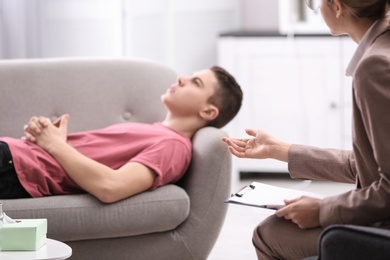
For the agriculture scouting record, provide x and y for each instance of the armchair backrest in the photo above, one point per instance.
(95, 92)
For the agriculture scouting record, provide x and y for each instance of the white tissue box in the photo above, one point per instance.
(24, 235)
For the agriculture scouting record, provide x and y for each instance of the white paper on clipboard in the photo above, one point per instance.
(267, 196)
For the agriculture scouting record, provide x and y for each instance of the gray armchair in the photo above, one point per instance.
(350, 242)
(177, 221)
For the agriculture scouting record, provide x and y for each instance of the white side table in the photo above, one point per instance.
(52, 250)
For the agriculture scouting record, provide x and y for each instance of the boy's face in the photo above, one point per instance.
(189, 95)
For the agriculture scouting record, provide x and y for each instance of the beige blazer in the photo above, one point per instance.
(368, 164)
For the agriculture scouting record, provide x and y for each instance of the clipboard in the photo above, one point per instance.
(267, 196)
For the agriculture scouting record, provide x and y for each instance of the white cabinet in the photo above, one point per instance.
(293, 89)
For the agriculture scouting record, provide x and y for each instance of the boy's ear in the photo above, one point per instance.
(209, 113)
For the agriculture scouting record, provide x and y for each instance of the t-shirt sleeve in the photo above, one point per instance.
(168, 158)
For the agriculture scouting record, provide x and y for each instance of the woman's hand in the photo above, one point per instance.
(303, 211)
(261, 146)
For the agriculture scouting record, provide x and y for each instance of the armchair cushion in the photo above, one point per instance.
(79, 217)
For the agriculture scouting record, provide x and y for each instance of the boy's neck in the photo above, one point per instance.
(185, 126)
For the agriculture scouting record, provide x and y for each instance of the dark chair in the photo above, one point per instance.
(344, 242)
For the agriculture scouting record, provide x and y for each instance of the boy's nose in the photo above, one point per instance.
(181, 81)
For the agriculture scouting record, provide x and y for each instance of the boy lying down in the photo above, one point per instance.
(123, 159)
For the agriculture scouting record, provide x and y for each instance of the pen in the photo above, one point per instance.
(273, 206)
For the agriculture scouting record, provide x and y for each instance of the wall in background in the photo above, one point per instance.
(18, 29)
(1, 29)
(260, 15)
(296, 18)
(284, 16)
(180, 33)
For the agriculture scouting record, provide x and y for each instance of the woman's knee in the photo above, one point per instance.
(263, 236)
(277, 238)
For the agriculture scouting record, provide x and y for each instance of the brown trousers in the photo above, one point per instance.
(277, 238)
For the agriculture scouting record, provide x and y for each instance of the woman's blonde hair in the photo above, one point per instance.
(372, 9)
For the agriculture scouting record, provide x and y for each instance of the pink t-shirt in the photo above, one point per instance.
(165, 151)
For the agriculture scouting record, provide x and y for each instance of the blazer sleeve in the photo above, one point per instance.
(313, 163)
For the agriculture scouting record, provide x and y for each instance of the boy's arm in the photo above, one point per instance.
(106, 184)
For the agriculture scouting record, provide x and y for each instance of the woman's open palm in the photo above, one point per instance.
(256, 147)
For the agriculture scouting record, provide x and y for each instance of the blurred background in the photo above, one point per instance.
(289, 67)
(180, 33)
(280, 51)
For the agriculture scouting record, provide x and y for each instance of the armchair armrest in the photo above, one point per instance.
(207, 183)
